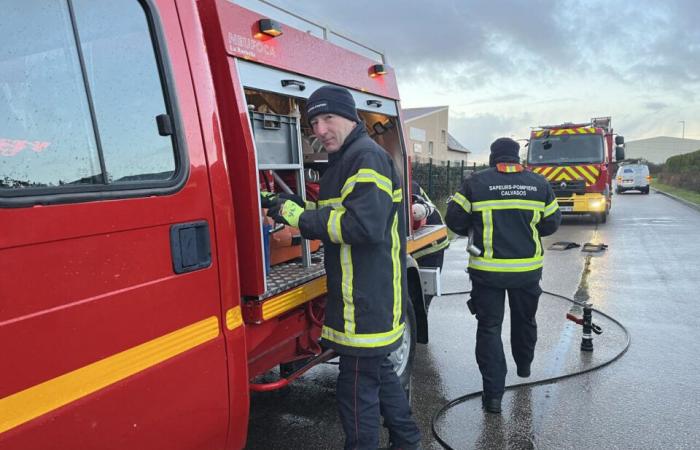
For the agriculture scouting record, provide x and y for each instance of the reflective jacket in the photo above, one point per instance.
(361, 223)
(508, 210)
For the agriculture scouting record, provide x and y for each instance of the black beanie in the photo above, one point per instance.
(504, 150)
(331, 100)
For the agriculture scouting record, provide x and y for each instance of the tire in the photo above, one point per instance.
(600, 217)
(645, 191)
(403, 357)
(618, 190)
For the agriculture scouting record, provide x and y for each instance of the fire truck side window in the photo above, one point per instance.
(79, 118)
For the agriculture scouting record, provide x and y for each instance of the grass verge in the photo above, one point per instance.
(691, 196)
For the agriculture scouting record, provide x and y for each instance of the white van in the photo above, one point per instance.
(633, 177)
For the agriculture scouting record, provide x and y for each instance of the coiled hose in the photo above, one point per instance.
(475, 394)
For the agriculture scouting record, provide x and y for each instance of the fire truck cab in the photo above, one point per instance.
(142, 290)
(577, 159)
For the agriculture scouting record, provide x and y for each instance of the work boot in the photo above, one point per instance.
(491, 404)
(524, 371)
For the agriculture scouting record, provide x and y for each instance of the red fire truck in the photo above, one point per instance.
(577, 160)
(142, 290)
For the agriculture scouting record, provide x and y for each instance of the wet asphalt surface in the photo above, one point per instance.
(648, 279)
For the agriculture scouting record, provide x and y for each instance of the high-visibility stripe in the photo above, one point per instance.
(362, 340)
(575, 174)
(396, 266)
(505, 265)
(551, 208)
(416, 243)
(487, 219)
(434, 247)
(530, 205)
(367, 176)
(589, 173)
(281, 303)
(52, 394)
(334, 227)
(536, 234)
(234, 318)
(335, 203)
(346, 283)
(462, 201)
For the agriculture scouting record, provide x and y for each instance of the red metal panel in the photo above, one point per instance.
(300, 52)
(81, 282)
(192, 22)
(173, 410)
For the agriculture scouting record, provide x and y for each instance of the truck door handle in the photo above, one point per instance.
(377, 103)
(300, 84)
(190, 247)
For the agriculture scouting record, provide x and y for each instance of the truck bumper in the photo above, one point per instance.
(583, 204)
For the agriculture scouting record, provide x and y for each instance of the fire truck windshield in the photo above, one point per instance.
(568, 148)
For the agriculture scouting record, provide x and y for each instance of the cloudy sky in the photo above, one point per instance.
(505, 66)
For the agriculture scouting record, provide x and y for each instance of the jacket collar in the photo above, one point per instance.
(354, 135)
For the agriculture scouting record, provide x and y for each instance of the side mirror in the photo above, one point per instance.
(619, 152)
(619, 140)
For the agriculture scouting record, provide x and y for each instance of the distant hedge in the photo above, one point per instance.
(682, 171)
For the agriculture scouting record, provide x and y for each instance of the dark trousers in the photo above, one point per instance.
(367, 388)
(489, 303)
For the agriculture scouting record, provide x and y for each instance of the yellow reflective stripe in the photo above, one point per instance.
(397, 196)
(234, 318)
(366, 176)
(335, 233)
(584, 171)
(595, 170)
(309, 205)
(530, 205)
(462, 201)
(52, 394)
(362, 340)
(487, 218)
(505, 265)
(281, 303)
(551, 208)
(536, 234)
(396, 265)
(434, 247)
(346, 283)
(335, 203)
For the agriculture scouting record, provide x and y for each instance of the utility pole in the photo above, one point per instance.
(683, 132)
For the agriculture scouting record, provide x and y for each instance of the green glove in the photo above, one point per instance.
(268, 199)
(286, 212)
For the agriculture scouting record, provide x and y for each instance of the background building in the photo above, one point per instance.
(428, 136)
(658, 149)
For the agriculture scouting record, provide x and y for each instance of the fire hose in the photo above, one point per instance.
(586, 345)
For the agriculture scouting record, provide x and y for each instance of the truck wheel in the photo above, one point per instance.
(402, 357)
(600, 217)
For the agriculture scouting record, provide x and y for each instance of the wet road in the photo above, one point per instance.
(648, 279)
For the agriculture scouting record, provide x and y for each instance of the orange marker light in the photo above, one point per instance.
(376, 70)
(268, 27)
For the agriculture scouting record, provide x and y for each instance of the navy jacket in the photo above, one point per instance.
(361, 223)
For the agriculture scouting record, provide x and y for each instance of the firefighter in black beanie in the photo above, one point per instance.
(360, 221)
(505, 209)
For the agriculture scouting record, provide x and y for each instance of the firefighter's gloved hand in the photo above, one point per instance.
(287, 212)
(268, 199)
(283, 196)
